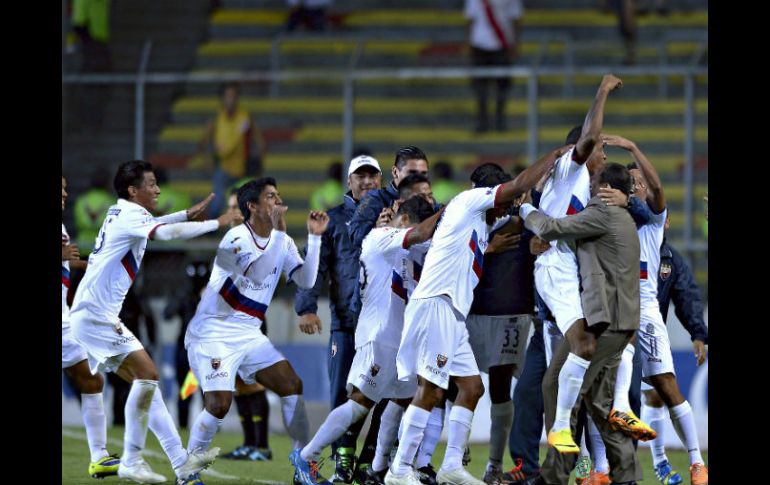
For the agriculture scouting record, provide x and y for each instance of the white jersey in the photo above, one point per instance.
(381, 251)
(115, 261)
(456, 256)
(566, 192)
(650, 239)
(404, 278)
(241, 285)
(65, 282)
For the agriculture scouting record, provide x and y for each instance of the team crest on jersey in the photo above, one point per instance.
(651, 329)
(665, 271)
(334, 349)
(441, 360)
(118, 329)
(215, 363)
(374, 370)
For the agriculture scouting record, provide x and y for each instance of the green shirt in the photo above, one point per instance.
(444, 190)
(90, 209)
(327, 195)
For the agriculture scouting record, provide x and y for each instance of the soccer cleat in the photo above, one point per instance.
(699, 474)
(562, 441)
(373, 477)
(360, 474)
(628, 424)
(666, 474)
(515, 474)
(408, 478)
(104, 467)
(582, 469)
(260, 454)
(343, 469)
(597, 478)
(459, 476)
(194, 479)
(239, 453)
(466, 456)
(493, 475)
(426, 475)
(140, 472)
(306, 472)
(197, 460)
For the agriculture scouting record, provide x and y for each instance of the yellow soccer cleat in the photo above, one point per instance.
(105, 467)
(562, 441)
(628, 424)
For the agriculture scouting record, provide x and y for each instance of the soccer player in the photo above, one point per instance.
(74, 362)
(110, 346)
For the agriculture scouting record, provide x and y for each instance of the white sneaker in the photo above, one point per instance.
(140, 473)
(459, 476)
(408, 478)
(197, 460)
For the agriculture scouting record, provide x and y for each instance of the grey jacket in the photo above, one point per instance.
(608, 258)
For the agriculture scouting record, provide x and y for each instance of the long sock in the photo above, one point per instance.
(501, 416)
(137, 411)
(459, 428)
(92, 409)
(332, 428)
(414, 422)
(684, 424)
(431, 437)
(370, 442)
(623, 381)
(203, 430)
(570, 380)
(583, 447)
(295, 419)
(389, 422)
(260, 415)
(597, 445)
(162, 426)
(243, 404)
(656, 418)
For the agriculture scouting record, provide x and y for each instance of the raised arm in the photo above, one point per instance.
(592, 126)
(529, 177)
(655, 196)
(424, 230)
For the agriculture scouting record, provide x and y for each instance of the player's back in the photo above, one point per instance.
(650, 240)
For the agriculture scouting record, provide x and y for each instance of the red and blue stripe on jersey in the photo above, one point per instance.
(642, 270)
(240, 302)
(129, 263)
(397, 285)
(575, 206)
(478, 256)
(65, 277)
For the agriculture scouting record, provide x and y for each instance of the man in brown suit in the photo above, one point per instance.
(608, 257)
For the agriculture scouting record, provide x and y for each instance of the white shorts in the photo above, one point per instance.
(559, 287)
(373, 372)
(71, 351)
(107, 344)
(654, 343)
(434, 343)
(499, 339)
(216, 363)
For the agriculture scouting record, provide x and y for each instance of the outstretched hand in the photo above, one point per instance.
(195, 211)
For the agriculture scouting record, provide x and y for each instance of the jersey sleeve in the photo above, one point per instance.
(235, 254)
(293, 261)
(480, 199)
(139, 223)
(658, 220)
(388, 241)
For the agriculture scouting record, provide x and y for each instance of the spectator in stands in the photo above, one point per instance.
(626, 12)
(311, 13)
(229, 137)
(494, 32)
(91, 26)
(443, 184)
(91, 208)
(330, 193)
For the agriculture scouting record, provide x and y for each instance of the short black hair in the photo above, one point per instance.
(250, 192)
(442, 170)
(406, 184)
(574, 135)
(494, 179)
(483, 170)
(632, 166)
(230, 84)
(617, 176)
(130, 174)
(417, 209)
(407, 153)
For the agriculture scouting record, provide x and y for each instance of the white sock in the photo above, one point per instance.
(597, 444)
(570, 381)
(656, 418)
(295, 419)
(684, 424)
(415, 420)
(162, 426)
(203, 430)
(623, 381)
(583, 447)
(137, 412)
(335, 425)
(459, 428)
(386, 437)
(501, 416)
(92, 409)
(431, 437)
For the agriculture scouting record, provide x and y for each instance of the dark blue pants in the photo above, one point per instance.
(342, 349)
(524, 440)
